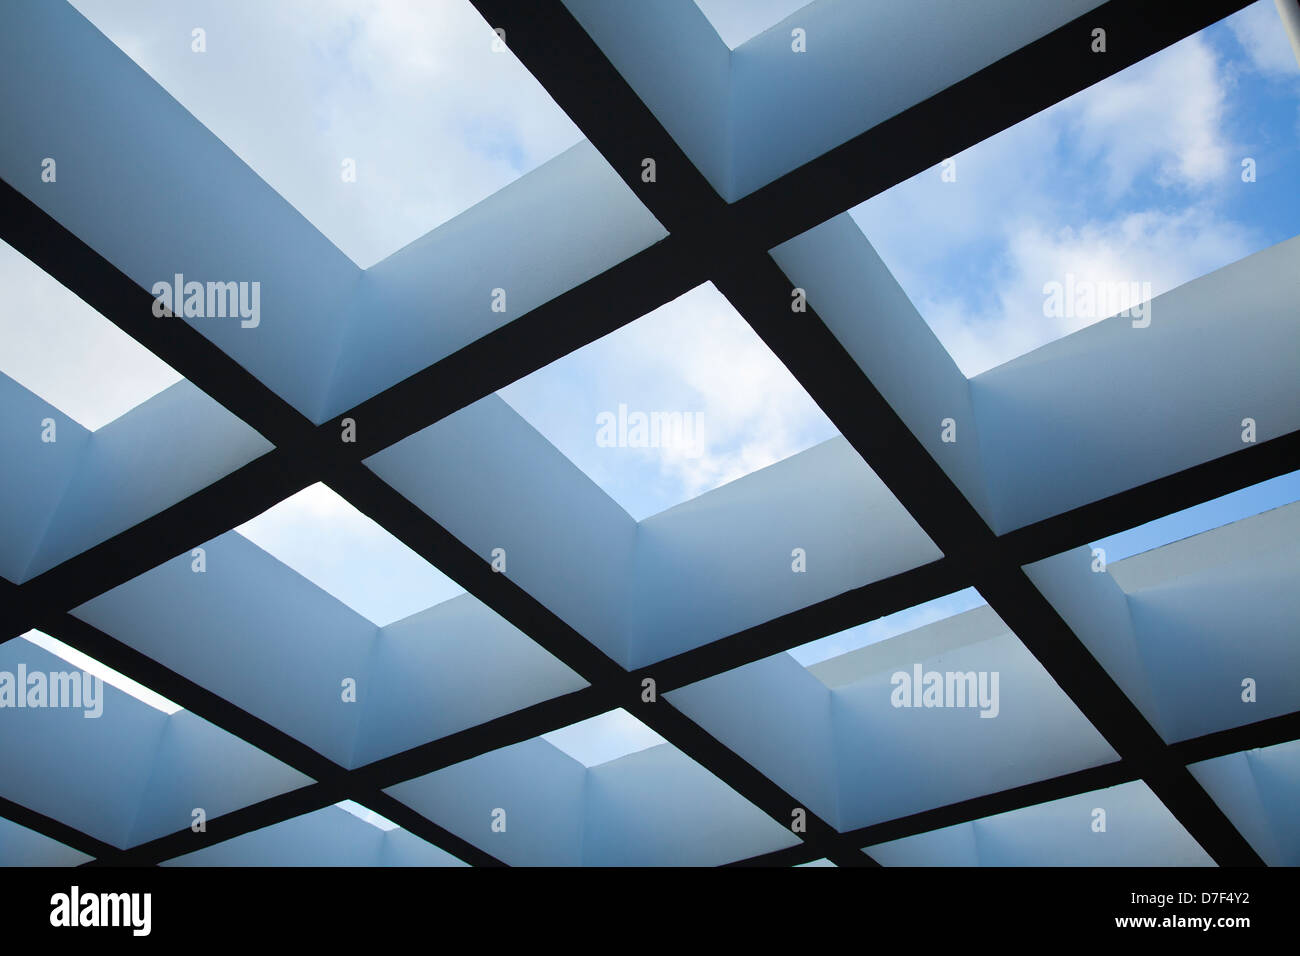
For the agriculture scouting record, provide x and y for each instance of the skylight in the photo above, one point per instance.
(739, 20)
(363, 813)
(1264, 496)
(603, 738)
(332, 544)
(105, 673)
(1173, 168)
(883, 628)
(67, 353)
(377, 119)
(670, 406)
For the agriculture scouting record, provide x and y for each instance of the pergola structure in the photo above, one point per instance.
(753, 174)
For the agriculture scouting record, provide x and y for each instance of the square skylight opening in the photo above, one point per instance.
(738, 21)
(674, 404)
(883, 628)
(603, 738)
(1164, 172)
(366, 814)
(1243, 503)
(89, 665)
(323, 537)
(61, 349)
(378, 120)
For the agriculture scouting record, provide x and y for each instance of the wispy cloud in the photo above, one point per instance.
(1134, 180)
(412, 91)
(1163, 115)
(694, 354)
(1259, 31)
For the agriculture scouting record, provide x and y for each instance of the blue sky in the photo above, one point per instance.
(435, 120)
(1135, 179)
(1264, 496)
(73, 357)
(693, 355)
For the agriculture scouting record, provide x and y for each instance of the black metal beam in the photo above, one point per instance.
(568, 63)
(709, 240)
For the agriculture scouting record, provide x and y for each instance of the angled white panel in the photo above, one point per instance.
(860, 68)
(131, 774)
(789, 736)
(866, 309)
(1204, 614)
(697, 572)
(87, 772)
(36, 474)
(20, 846)
(199, 765)
(1139, 831)
(490, 479)
(953, 753)
(949, 846)
(540, 789)
(1259, 791)
(749, 115)
(660, 808)
(722, 562)
(671, 55)
(155, 455)
(1111, 406)
(552, 229)
(448, 668)
(831, 735)
(1097, 610)
(327, 837)
(253, 631)
(151, 189)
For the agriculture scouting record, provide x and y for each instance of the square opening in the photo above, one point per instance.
(1164, 172)
(323, 537)
(681, 401)
(64, 351)
(377, 120)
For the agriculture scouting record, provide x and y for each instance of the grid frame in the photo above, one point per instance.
(709, 240)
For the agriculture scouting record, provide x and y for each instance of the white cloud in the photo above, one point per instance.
(754, 412)
(1165, 112)
(1063, 193)
(1152, 247)
(1258, 28)
(67, 353)
(693, 355)
(411, 90)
